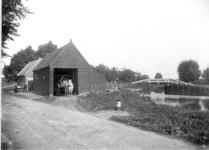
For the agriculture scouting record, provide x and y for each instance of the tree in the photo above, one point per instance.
(113, 74)
(7, 72)
(205, 74)
(12, 12)
(104, 70)
(144, 76)
(127, 75)
(158, 76)
(18, 62)
(45, 49)
(188, 71)
(139, 76)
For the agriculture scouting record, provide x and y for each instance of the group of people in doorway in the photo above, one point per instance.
(67, 85)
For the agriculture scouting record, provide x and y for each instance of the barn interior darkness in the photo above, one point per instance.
(66, 73)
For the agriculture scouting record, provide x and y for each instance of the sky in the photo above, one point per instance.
(147, 36)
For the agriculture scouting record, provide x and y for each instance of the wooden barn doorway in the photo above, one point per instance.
(67, 73)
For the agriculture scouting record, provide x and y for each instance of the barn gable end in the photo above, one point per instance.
(70, 57)
(67, 62)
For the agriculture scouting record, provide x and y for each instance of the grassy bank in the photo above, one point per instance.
(180, 122)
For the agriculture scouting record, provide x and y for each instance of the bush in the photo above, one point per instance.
(192, 106)
(102, 101)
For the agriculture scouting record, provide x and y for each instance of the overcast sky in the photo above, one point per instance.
(149, 36)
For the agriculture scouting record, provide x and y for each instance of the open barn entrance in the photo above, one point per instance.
(65, 73)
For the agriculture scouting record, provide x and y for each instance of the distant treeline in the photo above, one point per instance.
(20, 59)
(119, 75)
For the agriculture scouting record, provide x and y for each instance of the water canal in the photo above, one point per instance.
(193, 102)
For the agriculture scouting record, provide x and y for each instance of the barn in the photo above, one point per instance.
(67, 62)
(25, 76)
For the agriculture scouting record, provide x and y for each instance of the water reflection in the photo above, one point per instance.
(192, 102)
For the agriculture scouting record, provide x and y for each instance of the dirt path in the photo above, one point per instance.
(35, 125)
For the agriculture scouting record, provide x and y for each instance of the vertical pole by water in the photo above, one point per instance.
(194, 90)
(172, 88)
(178, 89)
(183, 89)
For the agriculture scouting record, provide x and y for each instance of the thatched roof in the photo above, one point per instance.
(28, 69)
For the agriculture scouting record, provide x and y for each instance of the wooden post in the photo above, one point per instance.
(178, 90)
(172, 88)
(194, 90)
(183, 89)
(51, 81)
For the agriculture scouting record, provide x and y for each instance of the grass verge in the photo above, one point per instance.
(181, 122)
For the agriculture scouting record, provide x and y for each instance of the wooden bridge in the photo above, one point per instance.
(162, 81)
(177, 87)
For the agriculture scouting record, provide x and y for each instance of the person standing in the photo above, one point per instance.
(70, 84)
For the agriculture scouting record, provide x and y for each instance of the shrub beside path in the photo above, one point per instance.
(31, 124)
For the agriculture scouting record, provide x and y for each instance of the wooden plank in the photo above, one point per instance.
(51, 81)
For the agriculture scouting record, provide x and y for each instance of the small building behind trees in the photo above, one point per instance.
(67, 62)
(25, 76)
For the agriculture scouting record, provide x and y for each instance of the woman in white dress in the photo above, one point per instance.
(70, 84)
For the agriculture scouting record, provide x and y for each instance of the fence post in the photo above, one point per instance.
(194, 90)
(183, 89)
(178, 90)
(172, 88)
